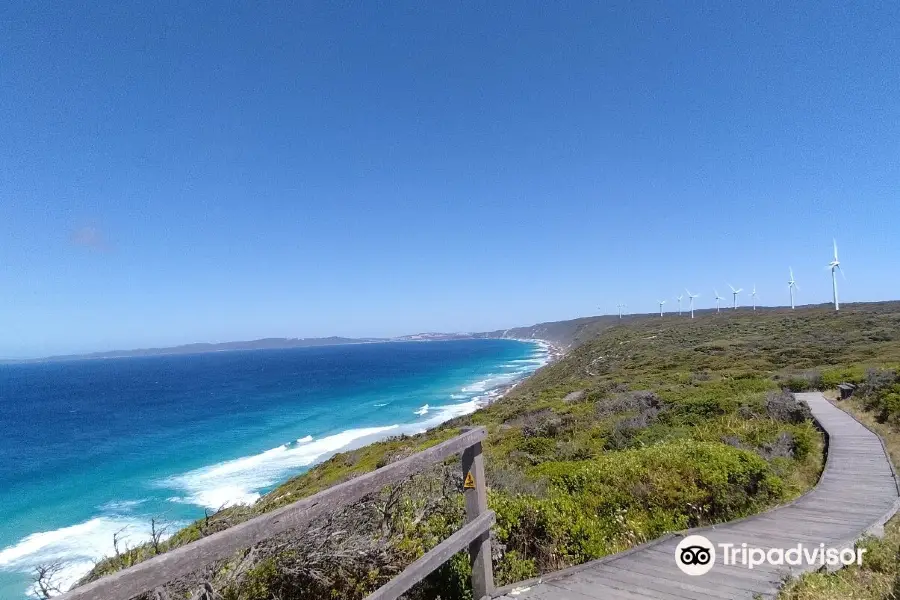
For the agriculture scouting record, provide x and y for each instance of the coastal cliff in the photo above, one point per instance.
(645, 426)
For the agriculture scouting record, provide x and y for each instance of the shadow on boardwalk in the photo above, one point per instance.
(856, 494)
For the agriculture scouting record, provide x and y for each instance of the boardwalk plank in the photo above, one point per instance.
(605, 590)
(724, 588)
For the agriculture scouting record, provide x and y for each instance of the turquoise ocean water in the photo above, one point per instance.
(94, 448)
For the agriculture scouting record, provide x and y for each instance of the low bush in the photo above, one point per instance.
(812, 380)
(786, 408)
(724, 481)
(831, 378)
(878, 380)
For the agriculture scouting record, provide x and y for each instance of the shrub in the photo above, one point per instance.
(832, 377)
(782, 447)
(879, 379)
(720, 481)
(886, 404)
(814, 379)
(514, 481)
(804, 440)
(538, 446)
(784, 407)
(700, 376)
(796, 385)
(541, 423)
(620, 437)
(696, 409)
(642, 402)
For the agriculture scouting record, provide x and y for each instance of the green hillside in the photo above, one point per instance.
(647, 425)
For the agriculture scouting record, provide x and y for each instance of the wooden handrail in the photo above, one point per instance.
(166, 567)
(434, 558)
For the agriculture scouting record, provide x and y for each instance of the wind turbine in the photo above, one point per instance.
(753, 295)
(734, 293)
(692, 296)
(661, 302)
(791, 285)
(835, 265)
(718, 297)
(620, 307)
(679, 303)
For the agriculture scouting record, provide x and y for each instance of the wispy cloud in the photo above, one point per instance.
(91, 238)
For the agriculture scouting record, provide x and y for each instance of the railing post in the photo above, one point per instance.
(476, 504)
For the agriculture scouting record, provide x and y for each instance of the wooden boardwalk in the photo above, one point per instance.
(856, 494)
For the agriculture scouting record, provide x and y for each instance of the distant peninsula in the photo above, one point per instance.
(203, 348)
(559, 333)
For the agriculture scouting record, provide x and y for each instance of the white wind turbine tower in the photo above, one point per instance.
(734, 293)
(692, 296)
(661, 302)
(835, 265)
(718, 297)
(753, 295)
(679, 303)
(620, 307)
(791, 285)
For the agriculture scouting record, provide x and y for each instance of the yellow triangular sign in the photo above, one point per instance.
(469, 483)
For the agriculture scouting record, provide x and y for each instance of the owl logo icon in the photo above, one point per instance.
(695, 555)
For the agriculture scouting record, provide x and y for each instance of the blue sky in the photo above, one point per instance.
(171, 172)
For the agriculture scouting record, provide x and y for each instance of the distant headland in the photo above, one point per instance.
(560, 334)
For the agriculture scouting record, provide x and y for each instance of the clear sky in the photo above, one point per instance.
(174, 172)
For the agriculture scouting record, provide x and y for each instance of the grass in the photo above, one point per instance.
(681, 423)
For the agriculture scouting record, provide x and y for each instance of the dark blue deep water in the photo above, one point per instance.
(92, 448)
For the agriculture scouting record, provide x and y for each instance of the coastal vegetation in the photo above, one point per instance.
(647, 425)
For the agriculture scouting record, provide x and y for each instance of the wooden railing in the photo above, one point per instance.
(474, 535)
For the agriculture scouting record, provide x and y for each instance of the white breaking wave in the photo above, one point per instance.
(240, 481)
(77, 547)
(445, 413)
(441, 414)
(422, 411)
(494, 380)
(122, 505)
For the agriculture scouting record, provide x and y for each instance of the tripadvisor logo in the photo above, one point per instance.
(695, 555)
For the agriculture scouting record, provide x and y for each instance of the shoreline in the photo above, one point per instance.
(555, 352)
(92, 531)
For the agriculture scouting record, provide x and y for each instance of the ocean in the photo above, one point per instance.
(94, 448)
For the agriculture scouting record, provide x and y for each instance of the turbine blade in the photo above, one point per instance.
(835, 248)
(842, 272)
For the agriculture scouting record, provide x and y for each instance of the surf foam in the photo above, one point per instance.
(77, 547)
(241, 480)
